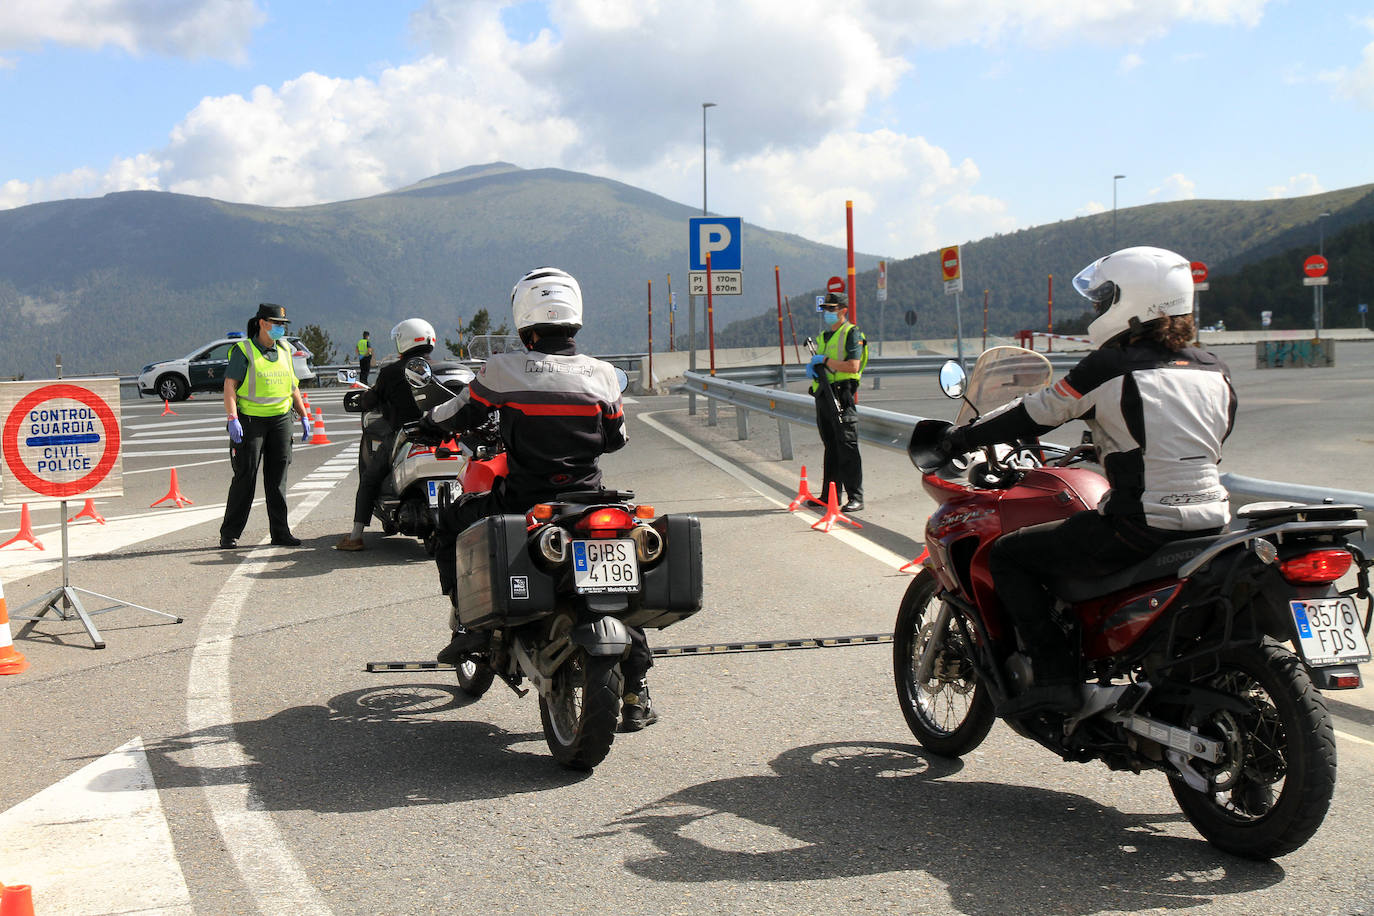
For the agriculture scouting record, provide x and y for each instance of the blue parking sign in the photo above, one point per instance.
(718, 236)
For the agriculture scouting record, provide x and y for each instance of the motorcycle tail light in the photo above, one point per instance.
(648, 543)
(605, 523)
(1317, 567)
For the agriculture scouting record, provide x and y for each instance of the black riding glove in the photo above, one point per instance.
(955, 441)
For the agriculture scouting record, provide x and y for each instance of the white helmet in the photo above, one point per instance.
(413, 333)
(1133, 286)
(546, 297)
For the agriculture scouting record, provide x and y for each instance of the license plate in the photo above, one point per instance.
(605, 566)
(1330, 631)
(436, 486)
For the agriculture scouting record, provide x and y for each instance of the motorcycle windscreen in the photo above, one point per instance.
(1000, 375)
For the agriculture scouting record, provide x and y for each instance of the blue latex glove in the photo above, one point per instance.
(235, 430)
(816, 360)
(306, 429)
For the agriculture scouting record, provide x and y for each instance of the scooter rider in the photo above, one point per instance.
(559, 412)
(392, 394)
(1158, 410)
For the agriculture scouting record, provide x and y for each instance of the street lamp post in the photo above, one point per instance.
(704, 106)
(692, 300)
(1319, 293)
(1115, 179)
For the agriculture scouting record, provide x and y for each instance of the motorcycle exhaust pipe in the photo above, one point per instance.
(552, 543)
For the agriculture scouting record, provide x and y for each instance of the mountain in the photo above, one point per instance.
(116, 282)
(1254, 251)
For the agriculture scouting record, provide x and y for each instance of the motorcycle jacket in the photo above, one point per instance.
(560, 411)
(1158, 419)
(391, 393)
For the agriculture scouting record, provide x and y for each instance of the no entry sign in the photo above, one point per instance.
(1199, 271)
(1315, 266)
(60, 439)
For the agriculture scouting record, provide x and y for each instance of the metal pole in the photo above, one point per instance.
(1115, 179)
(672, 313)
(849, 237)
(959, 329)
(777, 284)
(710, 317)
(787, 303)
(1049, 339)
(985, 319)
(704, 106)
(647, 385)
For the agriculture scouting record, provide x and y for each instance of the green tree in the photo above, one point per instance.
(479, 326)
(318, 343)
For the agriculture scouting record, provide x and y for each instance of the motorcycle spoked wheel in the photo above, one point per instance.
(1274, 783)
(582, 709)
(950, 712)
(475, 677)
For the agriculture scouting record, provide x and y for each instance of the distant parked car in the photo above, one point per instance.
(204, 369)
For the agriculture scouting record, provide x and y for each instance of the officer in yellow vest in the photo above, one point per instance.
(365, 354)
(839, 360)
(260, 393)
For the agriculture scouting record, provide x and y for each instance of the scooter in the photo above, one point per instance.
(421, 475)
(1204, 661)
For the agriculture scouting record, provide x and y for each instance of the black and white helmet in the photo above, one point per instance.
(1133, 286)
(546, 297)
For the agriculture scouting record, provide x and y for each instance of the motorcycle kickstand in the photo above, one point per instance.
(514, 685)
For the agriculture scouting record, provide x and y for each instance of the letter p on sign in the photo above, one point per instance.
(718, 237)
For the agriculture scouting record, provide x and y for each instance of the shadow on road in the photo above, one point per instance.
(844, 810)
(368, 750)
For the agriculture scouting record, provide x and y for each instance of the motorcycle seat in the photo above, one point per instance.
(1162, 564)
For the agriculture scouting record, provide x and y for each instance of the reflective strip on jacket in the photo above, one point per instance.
(267, 386)
(831, 347)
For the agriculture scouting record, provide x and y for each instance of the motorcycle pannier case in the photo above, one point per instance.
(671, 590)
(498, 583)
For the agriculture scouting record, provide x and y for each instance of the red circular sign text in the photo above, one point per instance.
(1315, 266)
(1199, 272)
(949, 263)
(55, 488)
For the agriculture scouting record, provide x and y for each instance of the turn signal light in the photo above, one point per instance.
(1317, 567)
(644, 511)
(542, 512)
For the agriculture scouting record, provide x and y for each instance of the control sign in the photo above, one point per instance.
(718, 236)
(950, 270)
(60, 439)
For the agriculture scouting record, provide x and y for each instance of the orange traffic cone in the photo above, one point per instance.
(11, 660)
(88, 511)
(833, 513)
(167, 408)
(16, 900)
(174, 494)
(804, 495)
(319, 438)
(25, 530)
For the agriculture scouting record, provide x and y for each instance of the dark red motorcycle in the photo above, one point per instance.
(1204, 661)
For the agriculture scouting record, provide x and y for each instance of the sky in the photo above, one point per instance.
(944, 121)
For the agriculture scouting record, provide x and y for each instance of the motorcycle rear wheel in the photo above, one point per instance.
(1274, 785)
(950, 712)
(475, 677)
(581, 712)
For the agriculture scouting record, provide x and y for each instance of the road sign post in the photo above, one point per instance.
(1200, 285)
(951, 271)
(60, 439)
(1314, 270)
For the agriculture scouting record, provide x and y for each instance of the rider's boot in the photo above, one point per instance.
(637, 709)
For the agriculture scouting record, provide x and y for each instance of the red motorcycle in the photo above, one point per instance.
(1200, 661)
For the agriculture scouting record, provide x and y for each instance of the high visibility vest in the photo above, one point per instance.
(363, 346)
(266, 389)
(832, 347)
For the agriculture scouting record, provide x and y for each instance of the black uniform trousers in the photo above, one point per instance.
(470, 508)
(364, 368)
(840, 435)
(266, 442)
(1085, 545)
(371, 479)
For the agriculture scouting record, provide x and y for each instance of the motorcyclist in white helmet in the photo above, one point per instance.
(1158, 410)
(560, 411)
(391, 393)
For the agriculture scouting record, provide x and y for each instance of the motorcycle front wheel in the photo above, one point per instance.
(949, 712)
(582, 709)
(1273, 785)
(475, 677)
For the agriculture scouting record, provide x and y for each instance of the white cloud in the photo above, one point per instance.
(1358, 82)
(195, 28)
(1297, 186)
(1092, 207)
(1175, 187)
(1129, 63)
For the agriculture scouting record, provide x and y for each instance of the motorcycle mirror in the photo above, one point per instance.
(418, 373)
(622, 378)
(952, 379)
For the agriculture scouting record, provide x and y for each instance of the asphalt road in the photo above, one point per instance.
(285, 778)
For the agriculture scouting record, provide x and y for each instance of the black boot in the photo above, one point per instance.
(637, 711)
(464, 643)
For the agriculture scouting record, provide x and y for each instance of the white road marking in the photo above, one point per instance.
(846, 537)
(272, 874)
(96, 842)
(1357, 739)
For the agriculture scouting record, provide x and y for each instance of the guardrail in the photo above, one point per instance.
(889, 429)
